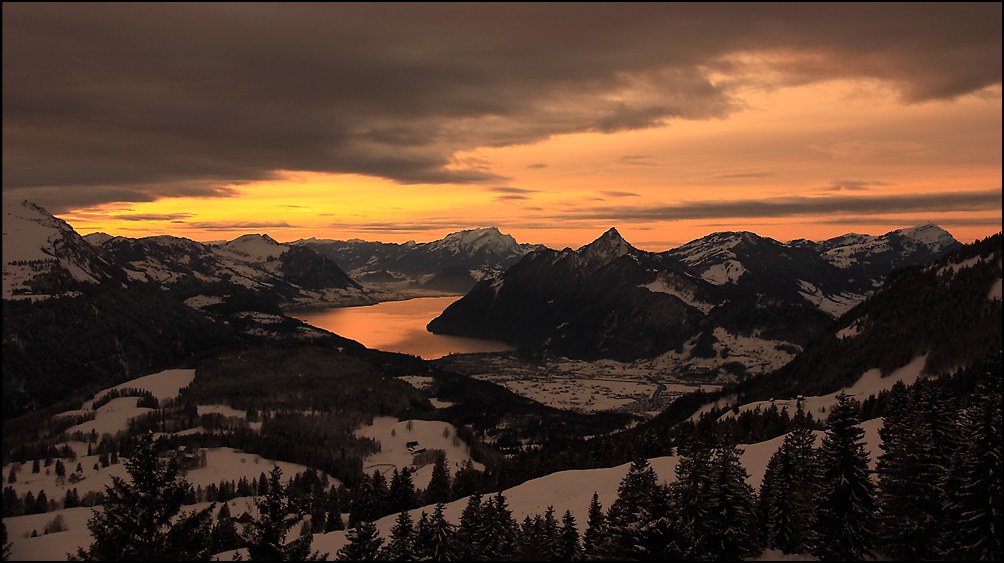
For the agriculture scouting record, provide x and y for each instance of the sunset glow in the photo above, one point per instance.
(787, 143)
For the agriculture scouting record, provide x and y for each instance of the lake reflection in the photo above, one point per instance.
(398, 326)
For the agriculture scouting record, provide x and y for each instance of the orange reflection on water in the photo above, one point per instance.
(398, 326)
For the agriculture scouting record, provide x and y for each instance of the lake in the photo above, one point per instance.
(398, 326)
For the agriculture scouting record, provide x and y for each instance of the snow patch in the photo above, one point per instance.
(726, 272)
(660, 285)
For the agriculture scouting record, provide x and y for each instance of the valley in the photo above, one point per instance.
(606, 355)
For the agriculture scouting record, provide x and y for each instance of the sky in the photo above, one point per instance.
(553, 122)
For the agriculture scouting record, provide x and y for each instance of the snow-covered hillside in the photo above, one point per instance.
(565, 490)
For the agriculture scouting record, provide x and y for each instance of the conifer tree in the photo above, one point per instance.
(364, 543)
(569, 548)
(224, 535)
(333, 512)
(142, 519)
(402, 495)
(423, 536)
(381, 495)
(529, 539)
(7, 547)
(634, 510)
(439, 484)
(596, 527)
(844, 528)
(785, 504)
(911, 473)
(729, 534)
(974, 507)
(402, 540)
(499, 529)
(364, 504)
(443, 546)
(266, 536)
(689, 498)
(470, 529)
(549, 535)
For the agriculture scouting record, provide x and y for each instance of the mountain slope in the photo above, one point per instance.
(77, 315)
(611, 300)
(949, 312)
(460, 259)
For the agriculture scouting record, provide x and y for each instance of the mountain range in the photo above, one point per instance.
(454, 263)
(609, 299)
(733, 299)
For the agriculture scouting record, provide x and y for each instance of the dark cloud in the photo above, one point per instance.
(613, 193)
(512, 197)
(510, 190)
(741, 175)
(636, 160)
(132, 102)
(175, 217)
(940, 202)
(538, 165)
(238, 225)
(851, 186)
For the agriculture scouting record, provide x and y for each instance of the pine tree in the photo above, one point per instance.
(499, 529)
(910, 473)
(596, 527)
(423, 536)
(439, 484)
(549, 535)
(266, 536)
(785, 504)
(224, 535)
(402, 495)
(333, 512)
(7, 546)
(381, 496)
(689, 494)
(731, 518)
(844, 528)
(569, 548)
(402, 540)
(142, 520)
(443, 546)
(364, 543)
(633, 510)
(364, 505)
(470, 530)
(974, 507)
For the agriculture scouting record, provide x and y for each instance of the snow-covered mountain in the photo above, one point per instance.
(77, 314)
(43, 255)
(250, 264)
(454, 263)
(610, 300)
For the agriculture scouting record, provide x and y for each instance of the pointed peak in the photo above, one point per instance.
(611, 234)
(608, 246)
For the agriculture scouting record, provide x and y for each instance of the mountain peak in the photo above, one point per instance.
(488, 239)
(607, 247)
(259, 246)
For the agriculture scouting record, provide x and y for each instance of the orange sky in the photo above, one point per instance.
(832, 139)
(552, 122)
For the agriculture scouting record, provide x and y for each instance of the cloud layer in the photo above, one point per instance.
(105, 103)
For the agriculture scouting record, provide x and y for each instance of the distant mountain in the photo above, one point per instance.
(72, 318)
(250, 265)
(77, 314)
(454, 263)
(611, 300)
(949, 312)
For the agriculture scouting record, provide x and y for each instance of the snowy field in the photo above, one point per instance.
(571, 490)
